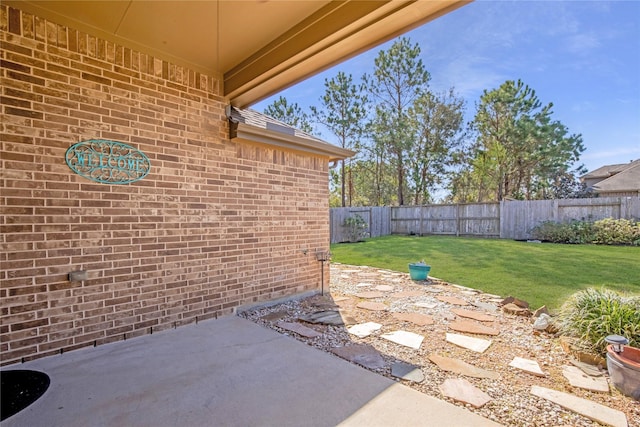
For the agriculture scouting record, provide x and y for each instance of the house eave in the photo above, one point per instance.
(249, 133)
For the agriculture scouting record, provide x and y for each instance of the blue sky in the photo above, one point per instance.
(583, 56)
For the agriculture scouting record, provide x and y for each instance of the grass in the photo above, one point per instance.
(542, 274)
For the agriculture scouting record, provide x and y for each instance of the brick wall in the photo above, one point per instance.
(215, 224)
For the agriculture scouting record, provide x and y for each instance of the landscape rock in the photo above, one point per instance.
(275, 316)
(372, 306)
(370, 295)
(530, 366)
(592, 371)
(513, 300)
(592, 410)
(384, 288)
(452, 300)
(463, 368)
(462, 390)
(299, 329)
(405, 338)
(472, 328)
(407, 371)
(487, 306)
(578, 378)
(325, 317)
(364, 329)
(511, 308)
(542, 322)
(408, 294)
(473, 315)
(362, 354)
(416, 318)
(541, 310)
(474, 344)
(428, 305)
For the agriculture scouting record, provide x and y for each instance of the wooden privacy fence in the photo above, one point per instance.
(512, 219)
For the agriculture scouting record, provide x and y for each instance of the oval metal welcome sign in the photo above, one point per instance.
(109, 162)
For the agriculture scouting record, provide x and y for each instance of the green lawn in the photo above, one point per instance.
(538, 273)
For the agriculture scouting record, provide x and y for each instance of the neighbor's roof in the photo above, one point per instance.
(626, 180)
(253, 126)
(609, 170)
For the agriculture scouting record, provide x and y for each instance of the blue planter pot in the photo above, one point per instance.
(419, 271)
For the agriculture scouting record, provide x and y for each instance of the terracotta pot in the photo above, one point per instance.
(624, 370)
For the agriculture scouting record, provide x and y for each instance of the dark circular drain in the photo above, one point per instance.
(19, 389)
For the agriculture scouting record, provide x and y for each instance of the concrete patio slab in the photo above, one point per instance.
(224, 372)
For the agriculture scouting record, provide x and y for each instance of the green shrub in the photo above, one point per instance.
(603, 232)
(616, 232)
(590, 315)
(574, 232)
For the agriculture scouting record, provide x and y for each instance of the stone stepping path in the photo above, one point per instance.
(405, 338)
(364, 285)
(362, 354)
(474, 344)
(384, 288)
(592, 410)
(363, 330)
(370, 295)
(328, 317)
(529, 366)
(299, 329)
(372, 306)
(415, 318)
(462, 368)
(463, 391)
(407, 371)
(578, 378)
(453, 300)
(473, 315)
(472, 328)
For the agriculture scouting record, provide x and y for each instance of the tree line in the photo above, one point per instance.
(411, 141)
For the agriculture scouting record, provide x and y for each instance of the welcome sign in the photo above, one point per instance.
(108, 162)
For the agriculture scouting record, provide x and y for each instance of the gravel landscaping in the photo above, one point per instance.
(509, 388)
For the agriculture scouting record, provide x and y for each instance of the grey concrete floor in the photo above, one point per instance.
(224, 372)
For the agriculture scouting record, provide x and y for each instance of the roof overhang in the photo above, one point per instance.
(254, 134)
(258, 47)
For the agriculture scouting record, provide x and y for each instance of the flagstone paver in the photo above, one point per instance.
(472, 328)
(452, 300)
(473, 315)
(463, 368)
(370, 294)
(373, 306)
(407, 371)
(299, 329)
(275, 316)
(590, 370)
(578, 378)
(341, 299)
(408, 294)
(384, 288)
(592, 410)
(364, 285)
(362, 354)
(363, 330)
(486, 306)
(406, 338)
(326, 317)
(478, 345)
(530, 366)
(462, 390)
(417, 318)
(429, 305)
